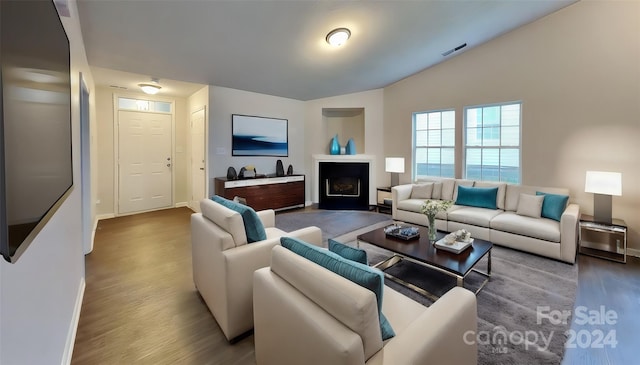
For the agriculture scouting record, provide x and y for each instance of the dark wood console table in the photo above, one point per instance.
(265, 193)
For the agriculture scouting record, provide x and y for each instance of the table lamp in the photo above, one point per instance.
(603, 185)
(394, 165)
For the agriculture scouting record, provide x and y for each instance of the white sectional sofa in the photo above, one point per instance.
(513, 222)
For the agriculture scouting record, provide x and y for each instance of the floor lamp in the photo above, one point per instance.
(394, 165)
(603, 185)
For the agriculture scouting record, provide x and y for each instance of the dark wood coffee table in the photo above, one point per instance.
(423, 252)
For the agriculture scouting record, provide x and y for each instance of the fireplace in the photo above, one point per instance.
(344, 185)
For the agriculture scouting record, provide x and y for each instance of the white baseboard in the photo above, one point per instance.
(104, 216)
(73, 326)
(181, 204)
(633, 252)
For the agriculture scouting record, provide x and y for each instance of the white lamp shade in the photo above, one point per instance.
(394, 164)
(600, 182)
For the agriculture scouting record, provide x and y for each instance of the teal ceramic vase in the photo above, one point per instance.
(335, 146)
(351, 147)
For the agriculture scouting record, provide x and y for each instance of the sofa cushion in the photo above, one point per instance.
(252, 224)
(460, 182)
(553, 205)
(513, 193)
(473, 215)
(348, 252)
(477, 197)
(228, 220)
(540, 228)
(421, 191)
(436, 193)
(363, 275)
(448, 186)
(502, 190)
(530, 205)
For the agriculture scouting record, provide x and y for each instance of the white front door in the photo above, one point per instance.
(198, 178)
(144, 161)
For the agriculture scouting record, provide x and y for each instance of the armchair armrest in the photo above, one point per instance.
(569, 233)
(444, 334)
(268, 217)
(311, 235)
(239, 263)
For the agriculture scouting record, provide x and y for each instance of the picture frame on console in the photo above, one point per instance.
(259, 136)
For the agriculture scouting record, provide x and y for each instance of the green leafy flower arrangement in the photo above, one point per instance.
(431, 207)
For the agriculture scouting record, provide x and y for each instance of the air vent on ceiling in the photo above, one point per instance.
(454, 49)
(118, 87)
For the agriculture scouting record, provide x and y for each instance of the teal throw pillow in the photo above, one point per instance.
(348, 252)
(361, 274)
(553, 205)
(252, 224)
(477, 197)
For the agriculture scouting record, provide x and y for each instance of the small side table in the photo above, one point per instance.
(604, 240)
(382, 194)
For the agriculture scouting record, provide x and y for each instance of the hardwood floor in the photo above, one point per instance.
(140, 305)
(614, 287)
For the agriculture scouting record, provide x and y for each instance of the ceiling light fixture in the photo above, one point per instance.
(150, 88)
(338, 37)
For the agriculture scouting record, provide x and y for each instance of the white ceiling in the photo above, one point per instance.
(278, 47)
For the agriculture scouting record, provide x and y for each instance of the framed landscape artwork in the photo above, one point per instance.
(259, 136)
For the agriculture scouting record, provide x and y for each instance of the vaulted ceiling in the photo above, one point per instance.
(278, 47)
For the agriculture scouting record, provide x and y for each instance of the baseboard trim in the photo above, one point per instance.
(182, 204)
(104, 216)
(73, 327)
(633, 252)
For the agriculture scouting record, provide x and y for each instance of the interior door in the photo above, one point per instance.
(198, 179)
(144, 161)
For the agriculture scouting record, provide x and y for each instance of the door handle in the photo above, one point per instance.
(202, 168)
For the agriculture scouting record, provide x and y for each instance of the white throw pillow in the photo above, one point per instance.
(530, 205)
(422, 191)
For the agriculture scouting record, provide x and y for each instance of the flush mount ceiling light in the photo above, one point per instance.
(338, 37)
(151, 88)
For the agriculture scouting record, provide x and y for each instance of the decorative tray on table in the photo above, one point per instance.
(455, 242)
(402, 231)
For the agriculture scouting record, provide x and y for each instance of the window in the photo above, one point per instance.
(144, 105)
(492, 142)
(434, 143)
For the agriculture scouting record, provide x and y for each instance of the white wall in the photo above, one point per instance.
(223, 102)
(105, 125)
(577, 72)
(372, 102)
(40, 294)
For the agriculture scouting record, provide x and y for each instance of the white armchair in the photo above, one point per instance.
(223, 262)
(306, 314)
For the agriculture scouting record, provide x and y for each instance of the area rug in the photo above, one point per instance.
(523, 311)
(333, 223)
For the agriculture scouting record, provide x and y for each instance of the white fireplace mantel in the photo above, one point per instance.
(370, 159)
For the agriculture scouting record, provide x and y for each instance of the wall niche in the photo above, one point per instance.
(346, 123)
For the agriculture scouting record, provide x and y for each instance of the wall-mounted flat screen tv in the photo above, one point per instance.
(36, 167)
(259, 136)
